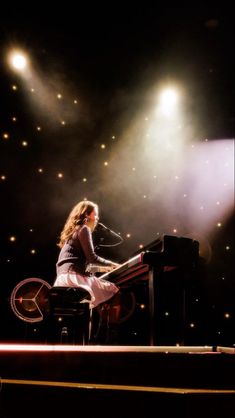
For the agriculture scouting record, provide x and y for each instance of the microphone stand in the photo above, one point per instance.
(105, 228)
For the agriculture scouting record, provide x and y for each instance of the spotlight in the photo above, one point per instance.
(18, 60)
(168, 101)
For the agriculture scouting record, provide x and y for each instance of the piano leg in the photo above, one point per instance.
(152, 337)
(155, 277)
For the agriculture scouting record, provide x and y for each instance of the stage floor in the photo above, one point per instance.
(187, 367)
(114, 348)
(59, 380)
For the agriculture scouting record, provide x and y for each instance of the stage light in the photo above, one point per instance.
(168, 101)
(18, 60)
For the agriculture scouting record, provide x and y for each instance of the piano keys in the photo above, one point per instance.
(131, 268)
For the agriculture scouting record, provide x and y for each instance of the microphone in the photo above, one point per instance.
(109, 230)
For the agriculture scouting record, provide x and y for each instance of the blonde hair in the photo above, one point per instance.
(76, 217)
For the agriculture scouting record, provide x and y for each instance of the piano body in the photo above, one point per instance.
(145, 275)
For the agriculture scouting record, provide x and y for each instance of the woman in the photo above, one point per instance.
(77, 252)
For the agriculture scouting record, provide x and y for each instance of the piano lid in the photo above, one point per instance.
(170, 250)
(156, 245)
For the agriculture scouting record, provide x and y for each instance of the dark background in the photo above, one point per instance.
(110, 61)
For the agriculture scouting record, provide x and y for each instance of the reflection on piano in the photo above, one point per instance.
(149, 265)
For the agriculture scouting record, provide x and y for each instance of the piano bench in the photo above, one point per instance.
(70, 317)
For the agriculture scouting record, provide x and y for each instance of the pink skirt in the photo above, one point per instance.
(99, 289)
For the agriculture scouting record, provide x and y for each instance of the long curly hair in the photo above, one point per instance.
(76, 217)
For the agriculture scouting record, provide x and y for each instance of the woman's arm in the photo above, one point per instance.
(85, 238)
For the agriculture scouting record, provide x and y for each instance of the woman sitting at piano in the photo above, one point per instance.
(77, 252)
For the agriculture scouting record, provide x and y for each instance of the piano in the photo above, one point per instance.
(149, 266)
(164, 253)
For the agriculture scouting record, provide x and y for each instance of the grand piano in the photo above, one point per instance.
(147, 273)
